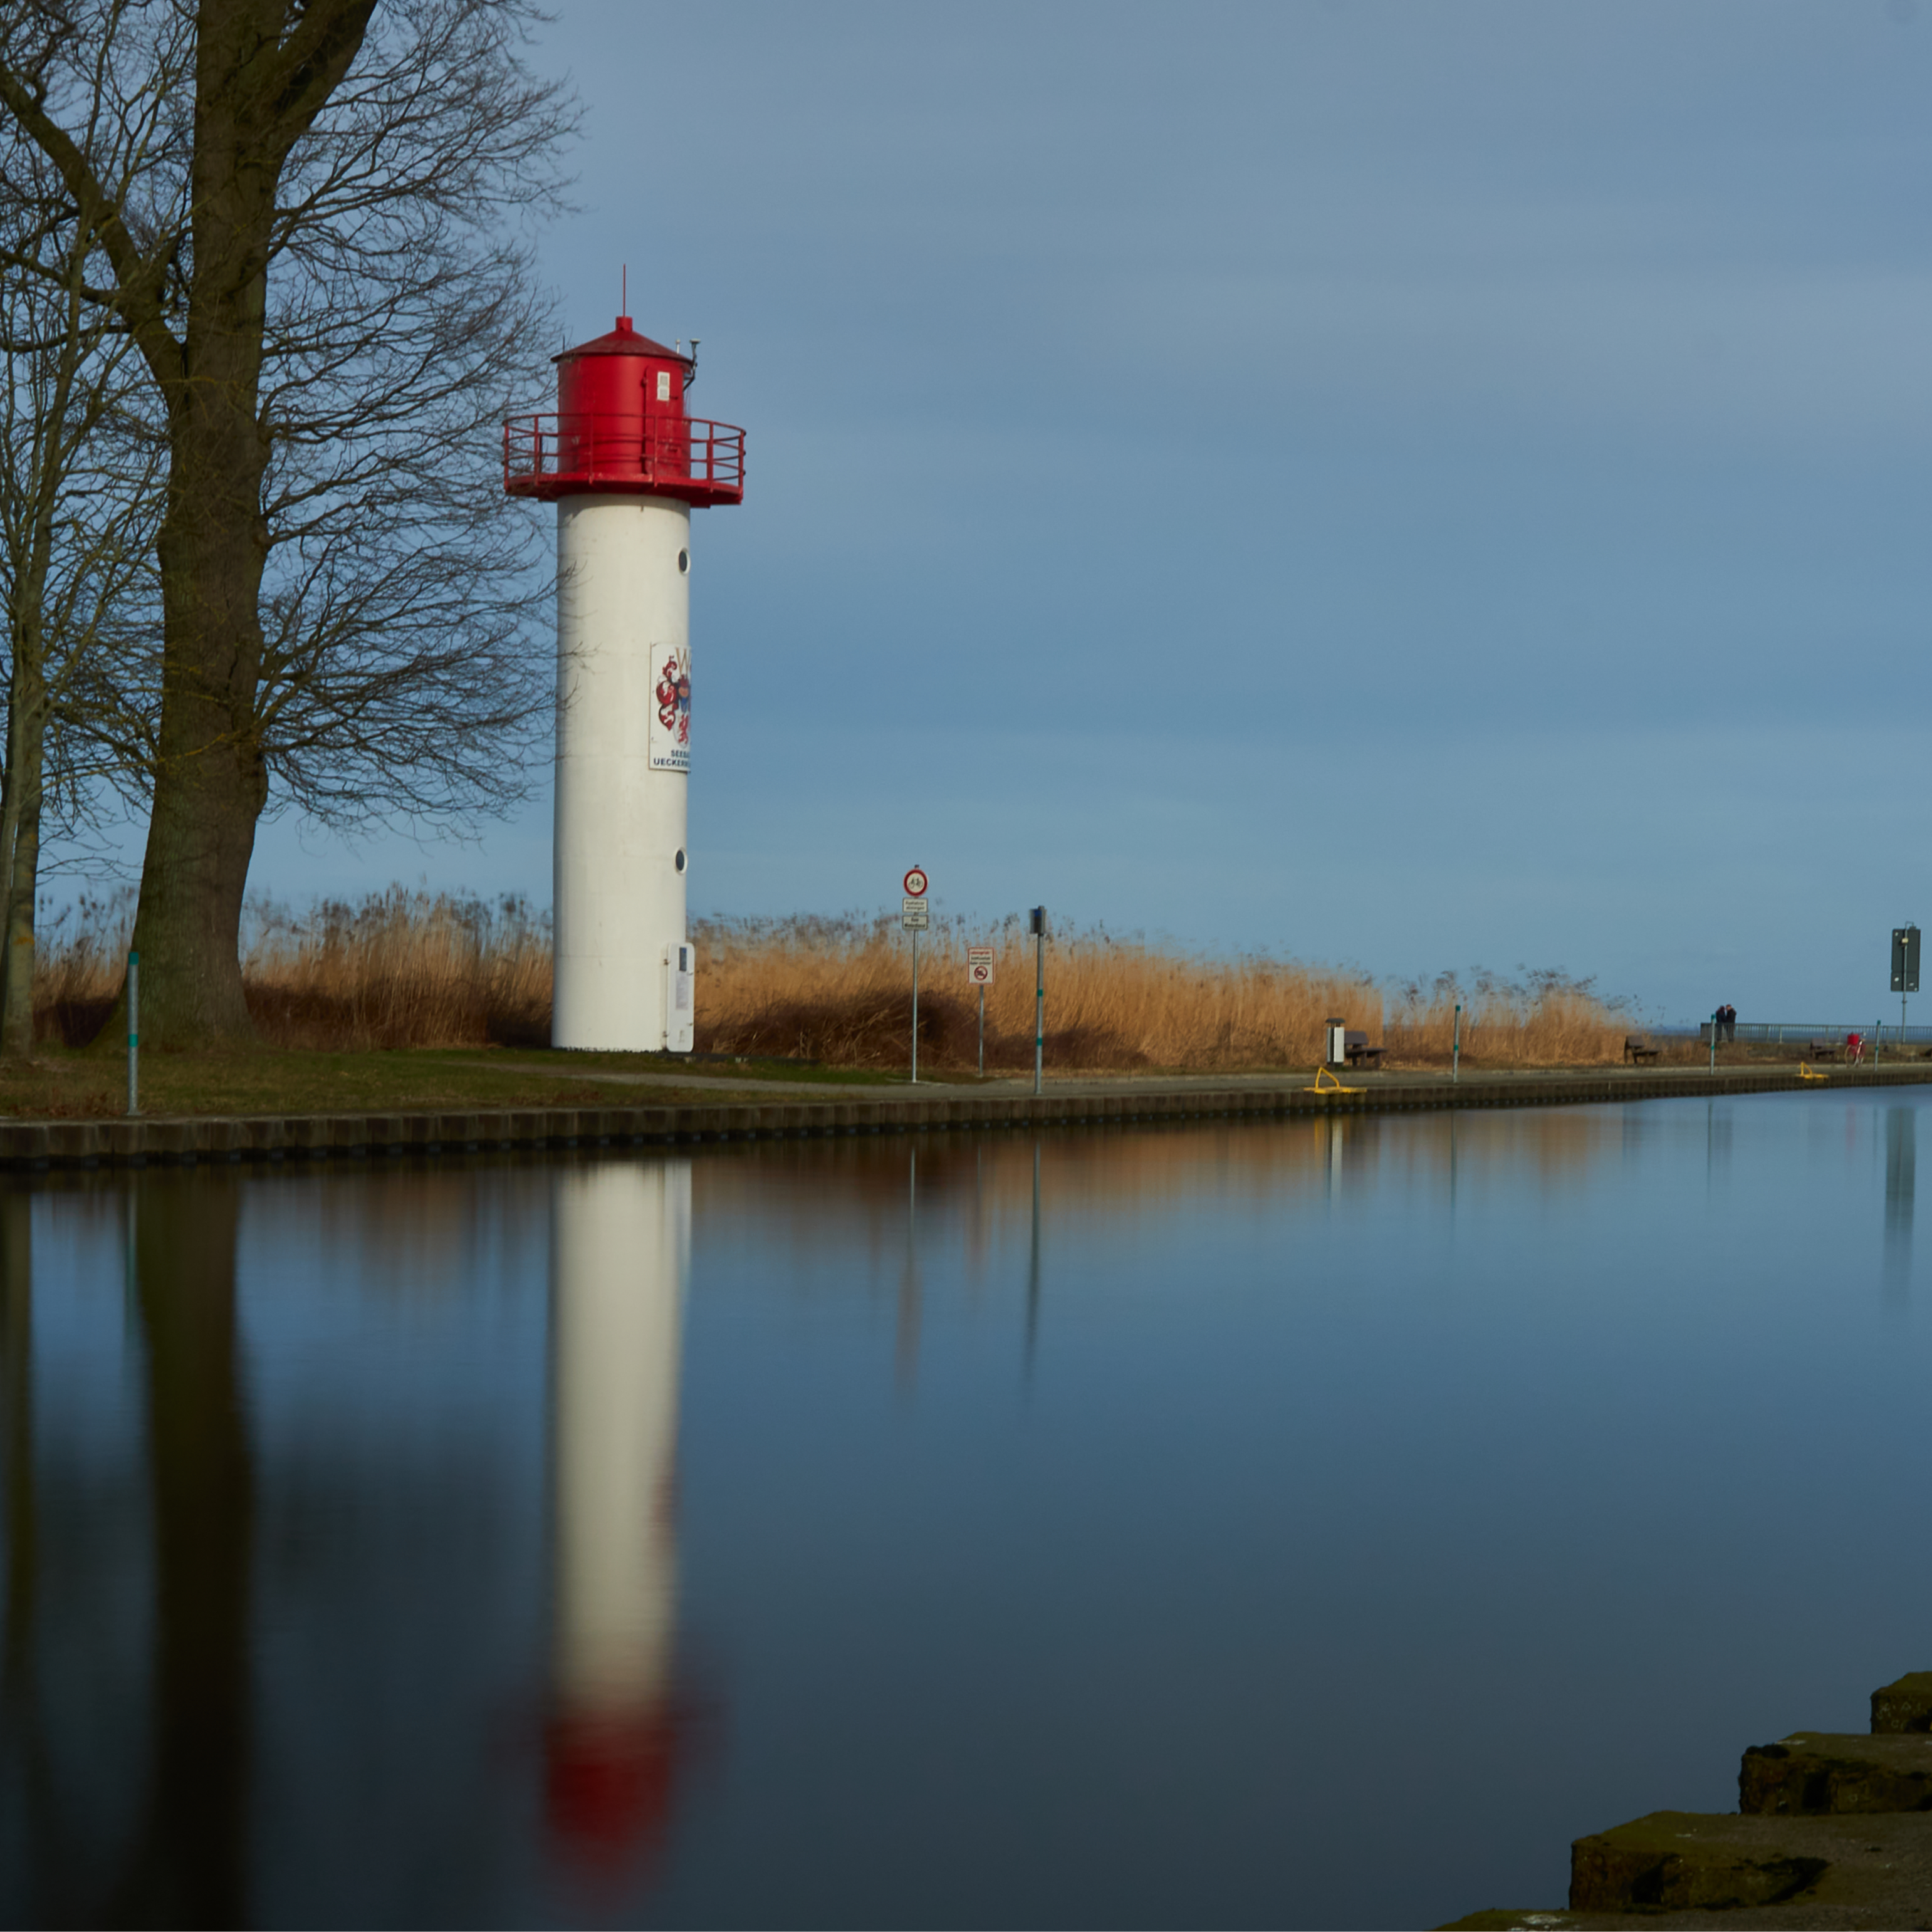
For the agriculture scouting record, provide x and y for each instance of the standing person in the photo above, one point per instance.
(1730, 1019)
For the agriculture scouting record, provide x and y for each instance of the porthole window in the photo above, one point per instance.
(680, 860)
(683, 560)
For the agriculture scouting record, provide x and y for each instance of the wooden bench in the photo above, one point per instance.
(1823, 1049)
(1639, 1050)
(1357, 1047)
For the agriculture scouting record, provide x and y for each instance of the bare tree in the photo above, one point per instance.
(80, 495)
(317, 255)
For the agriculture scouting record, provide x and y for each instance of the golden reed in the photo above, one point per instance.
(401, 968)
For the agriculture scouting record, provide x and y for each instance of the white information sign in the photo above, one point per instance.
(979, 965)
(915, 915)
(671, 709)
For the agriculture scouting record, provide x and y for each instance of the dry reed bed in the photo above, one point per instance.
(395, 969)
(413, 969)
(836, 990)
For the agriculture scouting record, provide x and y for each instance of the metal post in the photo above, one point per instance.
(133, 1033)
(1714, 1042)
(915, 1006)
(1039, 997)
(1455, 1047)
(983, 1033)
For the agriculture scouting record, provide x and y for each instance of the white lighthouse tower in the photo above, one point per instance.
(625, 465)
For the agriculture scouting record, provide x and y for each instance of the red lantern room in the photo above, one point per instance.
(620, 429)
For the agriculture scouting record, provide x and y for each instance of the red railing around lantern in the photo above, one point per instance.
(686, 456)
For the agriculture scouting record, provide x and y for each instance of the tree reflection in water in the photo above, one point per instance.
(188, 1863)
(23, 1740)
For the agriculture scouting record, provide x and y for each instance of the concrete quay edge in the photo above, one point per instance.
(186, 1140)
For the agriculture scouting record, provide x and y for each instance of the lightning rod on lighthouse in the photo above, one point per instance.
(625, 465)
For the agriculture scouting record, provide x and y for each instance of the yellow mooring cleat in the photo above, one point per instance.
(1805, 1072)
(1334, 1086)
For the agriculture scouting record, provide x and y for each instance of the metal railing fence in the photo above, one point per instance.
(1795, 1033)
(540, 449)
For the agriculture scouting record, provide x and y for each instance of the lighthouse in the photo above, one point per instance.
(625, 466)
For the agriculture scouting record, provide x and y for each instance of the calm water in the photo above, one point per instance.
(1255, 1524)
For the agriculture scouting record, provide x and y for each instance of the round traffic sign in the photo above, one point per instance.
(980, 974)
(915, 883)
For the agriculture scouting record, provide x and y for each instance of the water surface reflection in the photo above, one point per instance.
(1120, 1525)
(1901, 1176)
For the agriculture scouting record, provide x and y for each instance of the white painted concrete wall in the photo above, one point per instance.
(623, 609)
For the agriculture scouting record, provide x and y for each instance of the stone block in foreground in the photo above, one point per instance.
(1904, 1705)
(1873, 1872)
(1822, 1773)
(1747, 1919)
(1690, 1861)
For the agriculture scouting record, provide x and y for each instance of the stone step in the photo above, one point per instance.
(1699, 1861)
(1821, 1773)
(1800, 1917)
(1832, 1829)
(1683, 1868)
(1904, 1705)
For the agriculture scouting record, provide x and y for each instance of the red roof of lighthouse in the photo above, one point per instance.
(624, 340)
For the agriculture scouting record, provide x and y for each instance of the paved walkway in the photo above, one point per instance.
(806, 1110)
(1090, 1085)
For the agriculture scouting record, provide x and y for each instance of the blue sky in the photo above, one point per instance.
(1404, 485)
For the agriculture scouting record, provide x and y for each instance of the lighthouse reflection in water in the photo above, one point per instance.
(620, 1258)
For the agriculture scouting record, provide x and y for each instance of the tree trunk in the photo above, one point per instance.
(10, 825)
(27, 727)
(20, 849)
(210, 784)
(16, 1002)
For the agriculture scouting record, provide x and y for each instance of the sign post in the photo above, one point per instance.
(979, 974)
(915, 917)
(1904, 970)
(1455, 1047)
(1036, 925)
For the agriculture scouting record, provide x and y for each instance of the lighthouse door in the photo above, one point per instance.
(679, 979)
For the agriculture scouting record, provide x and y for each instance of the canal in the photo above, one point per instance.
(1287, 1523)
